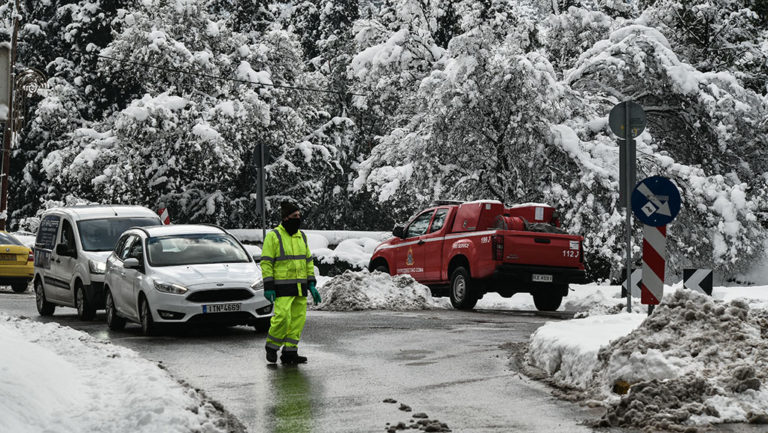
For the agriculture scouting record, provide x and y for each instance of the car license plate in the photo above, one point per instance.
(8, 257)
(542, 278)
(221, 308)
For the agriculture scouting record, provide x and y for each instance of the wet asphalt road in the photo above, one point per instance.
(447, 364)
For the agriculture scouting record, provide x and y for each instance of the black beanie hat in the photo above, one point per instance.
(287, 208)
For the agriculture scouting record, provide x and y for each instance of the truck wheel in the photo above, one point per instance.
(547, 301)
(463, 296)
(379, 266)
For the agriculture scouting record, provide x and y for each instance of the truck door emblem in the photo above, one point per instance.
(465, 224)
(409, 260)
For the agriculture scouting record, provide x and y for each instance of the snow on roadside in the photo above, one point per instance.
(567, 350)
(696, 360)
(357, 252)
(363, 290)
(54, 378)
(332, 237)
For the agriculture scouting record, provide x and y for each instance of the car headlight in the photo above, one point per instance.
(258, 285)
(171, 288)
(97, 267)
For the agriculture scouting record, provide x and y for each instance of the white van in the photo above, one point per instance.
(71, 250)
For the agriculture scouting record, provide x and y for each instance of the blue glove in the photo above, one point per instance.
(270, 295)
(315, 293)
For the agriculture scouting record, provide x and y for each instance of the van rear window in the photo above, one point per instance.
(47, 232)
(102, 234)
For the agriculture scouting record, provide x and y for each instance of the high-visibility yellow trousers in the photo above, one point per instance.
(287, 323)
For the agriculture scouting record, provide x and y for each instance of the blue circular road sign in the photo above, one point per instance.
(656, 201)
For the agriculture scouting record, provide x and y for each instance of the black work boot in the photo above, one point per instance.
(271, 355)
(292, 358)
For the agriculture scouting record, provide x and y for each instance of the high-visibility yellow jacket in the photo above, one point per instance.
(286, 263)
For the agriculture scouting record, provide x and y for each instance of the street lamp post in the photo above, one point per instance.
(29, 81)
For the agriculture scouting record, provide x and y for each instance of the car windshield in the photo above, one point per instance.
(102, 234)
(8, 239)
(194, 249)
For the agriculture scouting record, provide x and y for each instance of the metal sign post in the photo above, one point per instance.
(627, 120)
(262, 203)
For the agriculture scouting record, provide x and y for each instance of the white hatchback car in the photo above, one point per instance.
(183, 274)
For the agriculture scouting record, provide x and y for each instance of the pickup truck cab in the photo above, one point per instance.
(469, 249)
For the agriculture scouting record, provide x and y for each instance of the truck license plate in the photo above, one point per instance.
(221, 308)
(542, 278)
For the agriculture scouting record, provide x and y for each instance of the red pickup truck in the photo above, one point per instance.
(469, 249)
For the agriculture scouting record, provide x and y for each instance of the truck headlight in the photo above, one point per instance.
(174, 289)
(258, 285)
(97, 267)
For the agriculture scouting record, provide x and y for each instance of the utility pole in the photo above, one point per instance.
(9, 124)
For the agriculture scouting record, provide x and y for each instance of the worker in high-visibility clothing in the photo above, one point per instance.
(289, 274)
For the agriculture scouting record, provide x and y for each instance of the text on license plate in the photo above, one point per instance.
(8, 257)
(542, 278)
(221, 308)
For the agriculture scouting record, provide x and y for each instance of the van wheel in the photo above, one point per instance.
(148, 326)
(114, 321)
(463, 296)
(547, 301)
(85, 310)
(44, 308)
(20, 287)
(382, 268)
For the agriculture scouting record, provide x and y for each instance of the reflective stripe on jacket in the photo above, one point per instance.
(286, 263)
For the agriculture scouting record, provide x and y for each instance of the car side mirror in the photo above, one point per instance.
(63, 250)
(131, 263)
(399, 231)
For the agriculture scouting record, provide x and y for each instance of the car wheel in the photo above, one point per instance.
(463, 297)
(44, 307)
(148, 326)
(382, 268)
(547, 301)
(84, 309)
(20, 287)
(114, 321)
(263, 324)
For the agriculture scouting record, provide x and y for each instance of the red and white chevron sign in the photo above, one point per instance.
(654, 262)
(164, 216)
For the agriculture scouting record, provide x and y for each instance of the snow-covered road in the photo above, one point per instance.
(449, 364)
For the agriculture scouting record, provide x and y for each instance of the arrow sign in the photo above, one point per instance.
(637, 276)
(656, 201)
(660, 202)
(698, 280)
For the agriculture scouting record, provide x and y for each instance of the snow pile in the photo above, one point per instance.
(364, 290)
(585, 299)
(567, 350)
(694, 361)
(352, 247)
(356, 252)
(332, 237)
(62, 380)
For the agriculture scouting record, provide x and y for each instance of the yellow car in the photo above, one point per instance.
(17, 263)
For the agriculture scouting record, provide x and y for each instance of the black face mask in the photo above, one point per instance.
(291, 225)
